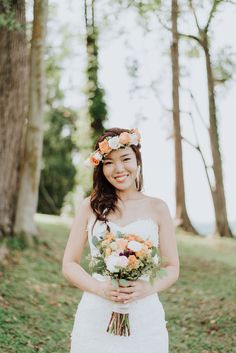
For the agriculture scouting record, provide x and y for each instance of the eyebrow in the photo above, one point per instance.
(123, 155)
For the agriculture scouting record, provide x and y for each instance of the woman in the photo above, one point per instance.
(118, 203)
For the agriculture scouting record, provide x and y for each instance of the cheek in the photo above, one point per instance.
(107, 171)
(133, 167)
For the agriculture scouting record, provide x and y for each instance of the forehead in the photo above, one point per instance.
(115, 154)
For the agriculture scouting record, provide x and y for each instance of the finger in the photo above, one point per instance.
(132, 284)
(114, 298)
(123, 296)
(114, 293)
(126, 290)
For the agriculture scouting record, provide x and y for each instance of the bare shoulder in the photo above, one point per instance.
(86, 202)
(85, 208)
(159, 209)
(159, 205)
(156, 203)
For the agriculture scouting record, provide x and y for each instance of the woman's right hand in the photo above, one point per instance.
(106, 290)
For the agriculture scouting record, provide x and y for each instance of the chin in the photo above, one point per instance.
(123, 187)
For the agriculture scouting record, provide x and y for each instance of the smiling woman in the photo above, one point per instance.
(121, 167)
(120, 215)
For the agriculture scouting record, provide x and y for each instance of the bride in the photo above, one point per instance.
(118, 203)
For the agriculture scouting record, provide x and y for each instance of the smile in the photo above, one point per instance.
(121, 178)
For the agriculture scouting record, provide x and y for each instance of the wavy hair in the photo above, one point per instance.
(104, 197)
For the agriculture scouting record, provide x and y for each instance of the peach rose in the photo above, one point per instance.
(94, 161)
(148, 243)
(106, 242)
(131, 237)
(143, 252)
(124, 138)
(133, 262)
(108, 251)
(104, 147)
(140, 253)
(122, 244)
(109, 236)
(139, 239)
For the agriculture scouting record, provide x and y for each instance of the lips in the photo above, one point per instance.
(121, 177)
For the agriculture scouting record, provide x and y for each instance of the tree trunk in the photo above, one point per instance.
(13, 111)
(91, 120)
(96, 105)
(182, 218)
(30, 172)
(218, 194)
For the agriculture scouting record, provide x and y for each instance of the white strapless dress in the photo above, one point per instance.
(147, 317)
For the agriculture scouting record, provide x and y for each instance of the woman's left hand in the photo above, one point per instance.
(135, 290)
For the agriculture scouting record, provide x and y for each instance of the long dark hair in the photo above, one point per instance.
(104, 197)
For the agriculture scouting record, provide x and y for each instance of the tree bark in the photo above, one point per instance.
(96, 104)
(31, 166)
(13, 111)
(217, 189)
(218, 194)
(182, 218)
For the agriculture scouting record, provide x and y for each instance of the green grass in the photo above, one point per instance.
(38, 305)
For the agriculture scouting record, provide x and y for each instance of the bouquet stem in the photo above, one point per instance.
(119, 324)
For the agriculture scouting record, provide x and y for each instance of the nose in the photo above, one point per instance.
(119, 167)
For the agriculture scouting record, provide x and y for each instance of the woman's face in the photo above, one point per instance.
(120, 168)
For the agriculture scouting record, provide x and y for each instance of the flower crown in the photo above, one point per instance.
(113, 143)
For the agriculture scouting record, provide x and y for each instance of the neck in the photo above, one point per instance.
(128, 195)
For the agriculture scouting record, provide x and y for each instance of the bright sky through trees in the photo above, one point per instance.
(125, 108)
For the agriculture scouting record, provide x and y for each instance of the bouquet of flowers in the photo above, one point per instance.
(124, 257)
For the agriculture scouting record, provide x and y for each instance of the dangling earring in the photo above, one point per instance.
(137, 178)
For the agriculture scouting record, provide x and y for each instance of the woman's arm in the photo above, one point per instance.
(168, 248)
(71, 268)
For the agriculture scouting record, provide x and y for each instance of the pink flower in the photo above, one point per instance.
(124, 138)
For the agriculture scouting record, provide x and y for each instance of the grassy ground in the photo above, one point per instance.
(38, 305)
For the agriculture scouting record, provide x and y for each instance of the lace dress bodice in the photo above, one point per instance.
(146, 228)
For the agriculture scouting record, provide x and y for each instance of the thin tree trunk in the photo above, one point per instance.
(30, 176)
(90, 125)
(218, 194)
(182, 218)
(94, 92)
(13, 111)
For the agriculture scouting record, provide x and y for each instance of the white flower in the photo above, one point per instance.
(98, 156)
(134, 245)
(113, 245)
(123, 261)
(112, 263)
(134, 139)
(156, 260)
(114, 142)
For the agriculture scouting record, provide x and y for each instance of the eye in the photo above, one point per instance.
(126, 159)
(105, 163)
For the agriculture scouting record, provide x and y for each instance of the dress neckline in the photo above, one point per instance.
(148, 220)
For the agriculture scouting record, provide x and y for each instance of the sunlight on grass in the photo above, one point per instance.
(38, 305)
